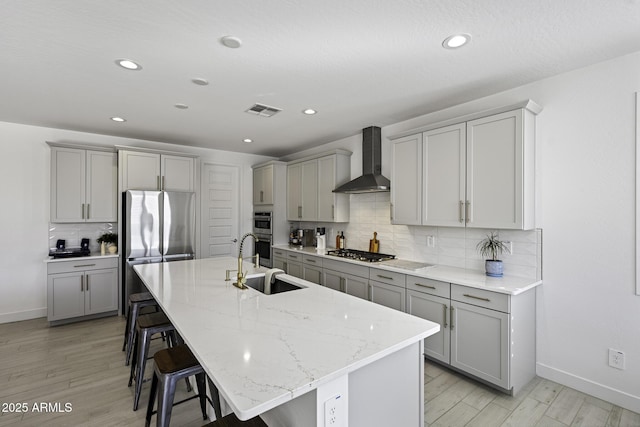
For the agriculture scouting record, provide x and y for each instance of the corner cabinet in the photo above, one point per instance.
(81, 288)
(83, 185)
(477, 173)
(310, 185)
(142, 170)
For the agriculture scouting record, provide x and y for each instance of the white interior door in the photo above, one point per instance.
(220, 210)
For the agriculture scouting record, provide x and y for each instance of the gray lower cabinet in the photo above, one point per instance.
(486, 334)
(345, 277)
(81, 287)
(387, 288)
(312, 269)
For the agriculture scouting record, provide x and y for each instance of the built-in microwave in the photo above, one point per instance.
(262, 223)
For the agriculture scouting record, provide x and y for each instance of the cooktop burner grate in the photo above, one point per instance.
(360, 255)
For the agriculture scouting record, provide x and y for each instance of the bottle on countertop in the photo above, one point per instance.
(342, 241)
(338, 240)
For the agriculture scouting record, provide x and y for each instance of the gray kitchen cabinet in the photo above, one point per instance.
(83, 185)
(263, 185)
(310, 185)
(486, 334)
(80, 288)
(312, 269)
(430, 299)
(387, 288)
(345, 277)
(460, 184)
(302, 191)
(143, 170)
(290, 263)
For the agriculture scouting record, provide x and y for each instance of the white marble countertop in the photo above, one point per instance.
(511, 285)
(264, 350)
(52, 259)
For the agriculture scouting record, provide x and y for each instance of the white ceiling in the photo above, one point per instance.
(358, 62)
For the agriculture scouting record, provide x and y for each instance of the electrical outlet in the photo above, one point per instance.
(509, 246)
(431, 241)
(334, 411)
(616, 359)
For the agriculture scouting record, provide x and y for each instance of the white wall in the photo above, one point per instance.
(24, 215)
(585, 177)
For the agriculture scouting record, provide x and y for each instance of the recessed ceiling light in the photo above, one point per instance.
(128, 64)
(181, 106)
(455, 41)
(309, 111)
(247, 140)
(200, 81)
(231, 41)
(118, 119)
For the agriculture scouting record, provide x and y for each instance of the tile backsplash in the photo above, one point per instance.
(74, 232)
(451, 246)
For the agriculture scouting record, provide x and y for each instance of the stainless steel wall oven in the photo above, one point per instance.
(262, 229)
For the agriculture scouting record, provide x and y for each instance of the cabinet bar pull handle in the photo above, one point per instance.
(385, 277)
(82, 283)
(299, 211)
(391, 210)
(475, 297)
(333, 211)
(444, 316)
(158, 182)
(84, 265)
(451, 318)
(86, 281)
(425, 286)
(311, 260)
(88, 206)
(467, 209)
(162, 182)
(82, 210)
(293, 256)
(284, 265)
(460, 214)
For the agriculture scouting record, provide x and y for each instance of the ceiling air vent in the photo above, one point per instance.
(263, 110)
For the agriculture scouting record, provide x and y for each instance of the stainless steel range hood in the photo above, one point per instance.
(371, 180)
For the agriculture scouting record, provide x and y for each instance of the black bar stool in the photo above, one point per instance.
(232, 421)
(147, 325)
(136, 303)
(171, 365)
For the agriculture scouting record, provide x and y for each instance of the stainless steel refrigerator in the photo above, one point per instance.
(158, 226)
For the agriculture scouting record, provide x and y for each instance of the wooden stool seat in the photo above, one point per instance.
(232, 421)
(172, 365)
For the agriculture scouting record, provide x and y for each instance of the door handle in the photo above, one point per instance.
(234, 240)
(444, 316)
(451, 318)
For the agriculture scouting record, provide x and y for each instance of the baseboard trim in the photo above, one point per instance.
(18, 316)
(601, 391)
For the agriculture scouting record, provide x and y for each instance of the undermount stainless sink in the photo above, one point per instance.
(277, 287)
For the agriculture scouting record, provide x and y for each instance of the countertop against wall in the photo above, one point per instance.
(510, 285)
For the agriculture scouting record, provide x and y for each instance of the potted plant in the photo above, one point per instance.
(491, 248)
(109, 240)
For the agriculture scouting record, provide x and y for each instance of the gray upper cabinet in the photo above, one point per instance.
(475, 173)
(263, 185)
(141, 170)
(83, 185)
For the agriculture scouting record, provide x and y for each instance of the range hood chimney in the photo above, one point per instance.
(371, 180)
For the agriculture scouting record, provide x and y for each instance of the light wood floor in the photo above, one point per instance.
(82, 365)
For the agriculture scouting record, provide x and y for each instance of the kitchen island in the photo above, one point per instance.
(293, 356)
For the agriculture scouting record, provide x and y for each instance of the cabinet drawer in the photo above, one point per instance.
(294, 257)
(429, 286)
(346, 267)
(481, 298)
(81, 264)
(279, 253)
(389, 277)
(312, 260)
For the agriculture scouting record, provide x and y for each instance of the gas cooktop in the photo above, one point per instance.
(360, 255)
